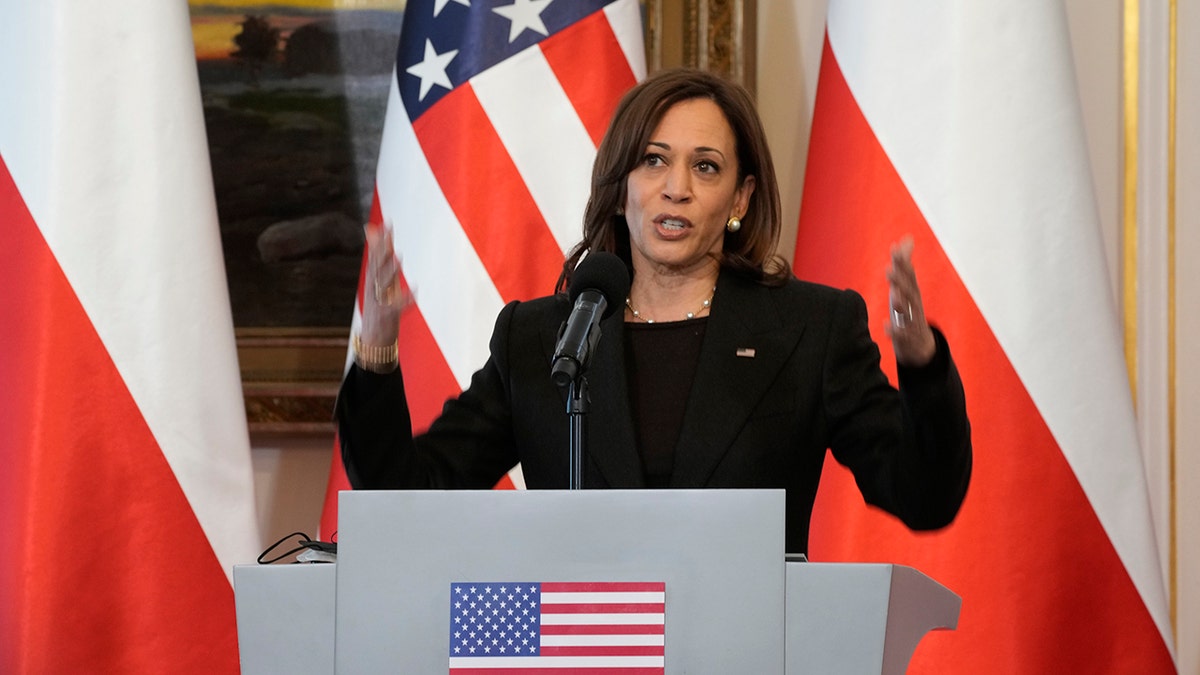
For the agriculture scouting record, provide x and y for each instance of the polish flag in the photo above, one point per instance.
(959, 122)
(485, 165)
(126, 493)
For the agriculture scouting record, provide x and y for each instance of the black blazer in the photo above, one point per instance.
(763, 421)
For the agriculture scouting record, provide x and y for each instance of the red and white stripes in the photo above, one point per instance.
(960, 125)
(486, 191)
(129, 493)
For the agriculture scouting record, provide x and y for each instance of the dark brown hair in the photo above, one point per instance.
(751, 250)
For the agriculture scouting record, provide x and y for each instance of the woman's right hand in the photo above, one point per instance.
(383, 298)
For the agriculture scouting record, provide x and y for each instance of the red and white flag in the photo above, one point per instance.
(484, 169)
(126, 493)
(959, 122)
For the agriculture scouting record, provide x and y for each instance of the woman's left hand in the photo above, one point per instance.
(912, 338)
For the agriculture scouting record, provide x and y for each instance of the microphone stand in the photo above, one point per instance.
(601, 277)
(570, 371)
(577, 408)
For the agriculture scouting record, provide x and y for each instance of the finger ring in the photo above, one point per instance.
(384, 294)
(902, 319)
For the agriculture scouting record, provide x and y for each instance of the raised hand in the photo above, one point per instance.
(383, 298)
(912, 338)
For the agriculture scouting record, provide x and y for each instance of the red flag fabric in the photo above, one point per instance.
(484, 170)
(126, 494)
(958, 123)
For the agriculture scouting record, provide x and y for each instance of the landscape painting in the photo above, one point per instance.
(294, 100)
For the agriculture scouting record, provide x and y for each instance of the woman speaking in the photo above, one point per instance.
(723, 370)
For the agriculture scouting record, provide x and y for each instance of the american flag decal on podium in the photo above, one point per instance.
(564, 627)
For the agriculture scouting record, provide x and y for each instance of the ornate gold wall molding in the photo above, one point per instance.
(1142, 26)
(714, 35)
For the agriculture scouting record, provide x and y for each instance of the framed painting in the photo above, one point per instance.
(294, 98)
(295, 95)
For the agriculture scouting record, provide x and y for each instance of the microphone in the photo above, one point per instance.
(598, 287)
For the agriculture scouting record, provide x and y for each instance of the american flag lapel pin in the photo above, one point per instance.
(746, 352)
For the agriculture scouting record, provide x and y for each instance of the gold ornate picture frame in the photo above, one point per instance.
(714, 35)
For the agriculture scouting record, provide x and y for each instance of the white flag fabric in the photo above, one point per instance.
(959, 123)
(484, 170)
(126, 494)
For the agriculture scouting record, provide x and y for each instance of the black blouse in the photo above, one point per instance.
(660, 364)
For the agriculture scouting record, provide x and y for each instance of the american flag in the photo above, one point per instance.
(493, 119)
(612, 627)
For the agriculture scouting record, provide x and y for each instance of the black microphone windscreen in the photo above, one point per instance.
(603, 272)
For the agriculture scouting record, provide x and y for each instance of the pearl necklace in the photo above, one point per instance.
(690, 315)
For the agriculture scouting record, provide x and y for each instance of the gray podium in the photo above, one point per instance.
(731, 602)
